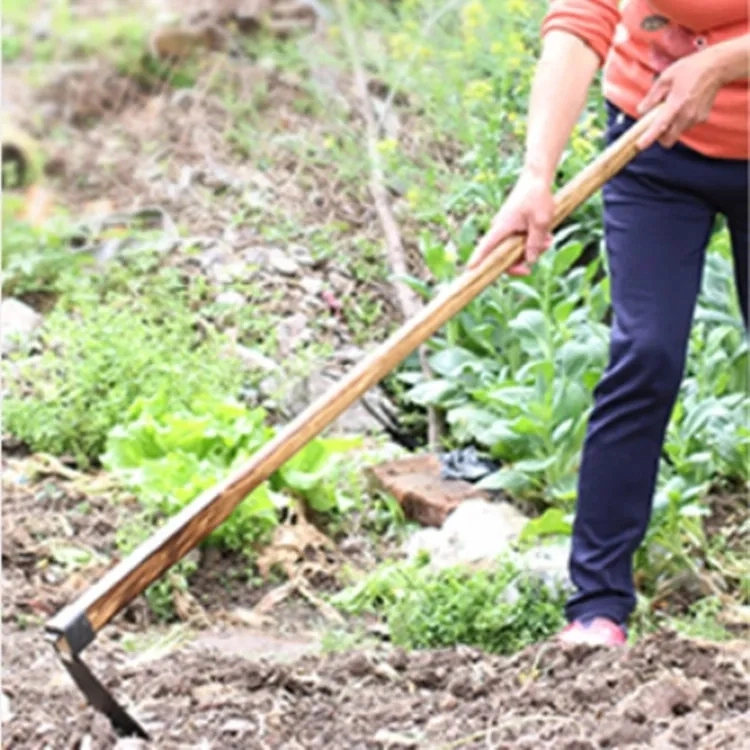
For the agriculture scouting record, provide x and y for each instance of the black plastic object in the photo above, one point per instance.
(466, 464)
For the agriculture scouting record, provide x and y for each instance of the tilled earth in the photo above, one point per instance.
(226, 686)
(667, 692)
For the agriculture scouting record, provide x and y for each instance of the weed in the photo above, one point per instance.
(102, 349)
(499, 610)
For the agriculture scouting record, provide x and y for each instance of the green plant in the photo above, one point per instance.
(34, 258)
(499, 610)
(515, 372)
(102, 350)
(168, 454)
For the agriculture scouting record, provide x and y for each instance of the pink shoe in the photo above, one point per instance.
(597, 632)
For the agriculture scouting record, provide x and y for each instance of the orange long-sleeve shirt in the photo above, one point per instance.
(637, 39)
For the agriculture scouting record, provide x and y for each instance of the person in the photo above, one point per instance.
(691, 57)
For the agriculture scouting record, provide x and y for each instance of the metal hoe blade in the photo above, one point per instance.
(97, 695)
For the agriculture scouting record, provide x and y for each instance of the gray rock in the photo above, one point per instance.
(477, 531)
(292, 333)
(283, 263)
(548, 561)
(18, 321)
(231, 298)
(5, 712)
(356, 420)
(254, 359)
(311, 286)
(302, 255)
(131, 743)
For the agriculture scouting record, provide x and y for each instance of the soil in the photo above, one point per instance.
(232, 681)
(666, 692)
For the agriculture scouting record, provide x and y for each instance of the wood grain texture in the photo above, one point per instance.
(183, 532)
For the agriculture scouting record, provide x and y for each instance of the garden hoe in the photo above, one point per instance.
(76, 626)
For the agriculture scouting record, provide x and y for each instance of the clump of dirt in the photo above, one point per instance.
(667, 692)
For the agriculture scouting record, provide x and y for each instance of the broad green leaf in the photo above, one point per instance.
(510, 480)
(552, 522)
(431, 392)
(565, 257)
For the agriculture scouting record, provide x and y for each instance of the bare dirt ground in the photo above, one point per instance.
(223, 684)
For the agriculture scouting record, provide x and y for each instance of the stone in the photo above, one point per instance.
(237, 726)
(283, 263)
(18, 321)
(475, 531)
(131, 743)
(302, 255)
(254, 360)
(231, 298)
(5, 712)
(311, 286)
(548, 561)
(356, 420)
(416, 484)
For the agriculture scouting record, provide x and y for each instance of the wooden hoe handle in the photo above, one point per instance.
(76, 625)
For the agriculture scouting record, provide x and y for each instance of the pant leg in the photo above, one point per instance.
(657, 227)
(737, 221)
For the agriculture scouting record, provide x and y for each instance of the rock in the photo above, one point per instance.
(388, 740)
(302, 255)
(231, 298)
(476, 531)
(548, 561)
(292, 332)
(355, 420)
(254, 360)
(423, 494)
(236, 726)
(311, 286)
(18, 321)
(5, 712)
(131, 743)
(283, 263)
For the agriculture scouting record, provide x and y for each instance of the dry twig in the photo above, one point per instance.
(407, 300)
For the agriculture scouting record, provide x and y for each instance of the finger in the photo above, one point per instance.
(657, 130)
(656, 94)
(520, 269)
(537, 241)
(496, 234)
(677, 128)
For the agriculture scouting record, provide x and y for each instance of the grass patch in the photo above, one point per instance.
(499, 610)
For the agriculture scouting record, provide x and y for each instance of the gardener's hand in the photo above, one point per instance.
(688, 88)
(528, 210)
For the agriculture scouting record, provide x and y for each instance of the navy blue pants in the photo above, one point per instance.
(659, 213)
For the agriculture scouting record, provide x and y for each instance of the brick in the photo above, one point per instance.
(416, 484)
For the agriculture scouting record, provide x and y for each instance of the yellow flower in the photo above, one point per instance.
(473, 16)
(413, 196)
(521, 7)
(477, 91)
(387, 146)
(400, 46)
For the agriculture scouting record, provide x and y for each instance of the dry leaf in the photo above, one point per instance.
(294, 544)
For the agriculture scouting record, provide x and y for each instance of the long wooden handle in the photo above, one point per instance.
(104, 599)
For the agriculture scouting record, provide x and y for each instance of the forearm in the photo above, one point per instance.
(732, 59)
(559, 92)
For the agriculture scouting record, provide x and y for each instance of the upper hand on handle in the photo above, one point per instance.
(528, 210)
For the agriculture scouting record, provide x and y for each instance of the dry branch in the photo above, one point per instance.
(407, 300)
